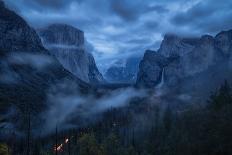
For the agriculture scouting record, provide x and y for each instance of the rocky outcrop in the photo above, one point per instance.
(172, 45)
(123, 72)
(27, 70)
(150, 68)
(223, 41)
(66, 43)
(184, 58)
(16, 34)
(61, 34)
(94, 75)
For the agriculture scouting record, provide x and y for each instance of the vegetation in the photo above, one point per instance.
(196, 131)
(88, 145)
(4, 149)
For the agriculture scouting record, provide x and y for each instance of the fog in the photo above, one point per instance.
(68, 109)
(66, 106)
(7, 75)
(37, 61)
(69, 47)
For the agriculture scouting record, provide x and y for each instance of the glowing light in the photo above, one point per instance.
(59, 148)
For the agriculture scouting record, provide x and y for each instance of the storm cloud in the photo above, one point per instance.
(117, 29)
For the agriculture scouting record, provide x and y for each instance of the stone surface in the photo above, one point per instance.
(172, 45)
(16, 34)
(66, 43)
(185, 58)
(62, 34)
(27, 70)
(150, 69)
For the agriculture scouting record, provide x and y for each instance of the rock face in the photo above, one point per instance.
(172, 45)
(150, 68)
(61, 34)
(123, 72)
(185, 58)
(16, 34)
(223, 42)
(27, 70)
(66, 43)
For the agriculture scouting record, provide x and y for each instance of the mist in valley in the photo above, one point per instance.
(115, 77)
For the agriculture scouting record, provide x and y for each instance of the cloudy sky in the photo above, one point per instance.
(120, 28)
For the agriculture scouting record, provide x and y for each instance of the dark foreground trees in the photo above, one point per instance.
(196, 131)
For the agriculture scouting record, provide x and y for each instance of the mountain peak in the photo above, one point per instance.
(224, 41)
(171, 36)
(16, 34)
(2, 3)
(207, 37)
(62, 34)
(63, 26)
(172, 44)
(228, 32)
(185, 57)
(67, 44)
(147, 52)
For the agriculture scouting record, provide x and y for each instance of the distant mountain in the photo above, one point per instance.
(27, 70)
(67, 44)
(188, 62)
(123, 71)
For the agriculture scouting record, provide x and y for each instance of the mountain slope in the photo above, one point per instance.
(66, 43)
(16, 34)
(188, 63)
(27, 70)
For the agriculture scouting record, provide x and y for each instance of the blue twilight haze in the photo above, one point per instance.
(116, 29)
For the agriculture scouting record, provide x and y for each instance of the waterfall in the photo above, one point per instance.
(162, 80)
(159, 88)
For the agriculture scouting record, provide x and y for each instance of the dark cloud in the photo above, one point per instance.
(158, 9)
(139, 41)
(50, 4)
(197, 12)
(120, 28)
(133, 10)
(216, 24)
(126, 10)
(206, 16)
(151, 25)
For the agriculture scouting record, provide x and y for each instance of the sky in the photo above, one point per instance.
(117, 29)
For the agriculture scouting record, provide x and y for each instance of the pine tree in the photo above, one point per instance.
(89, 146)
(167, 119)
(111, 144)
(221, 97)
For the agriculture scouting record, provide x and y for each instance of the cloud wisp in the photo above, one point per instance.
(119, 27)
(71, 110)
